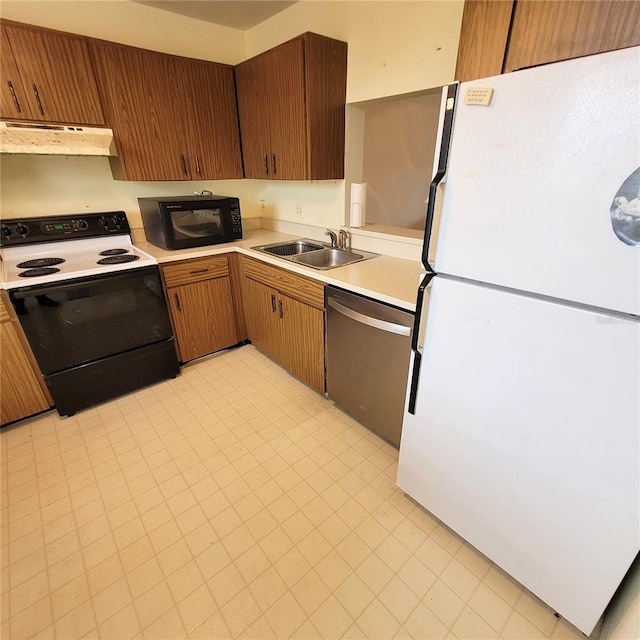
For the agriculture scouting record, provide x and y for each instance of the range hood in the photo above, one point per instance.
(54, 139)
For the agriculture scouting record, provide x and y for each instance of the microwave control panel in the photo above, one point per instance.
(236, 220)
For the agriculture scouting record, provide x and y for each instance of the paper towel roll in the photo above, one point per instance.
(358, 208)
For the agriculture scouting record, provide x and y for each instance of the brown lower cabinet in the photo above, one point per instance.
(23, 391)
(201, 305)
(285, 319)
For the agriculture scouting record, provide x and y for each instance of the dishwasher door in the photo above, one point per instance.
(368, 347)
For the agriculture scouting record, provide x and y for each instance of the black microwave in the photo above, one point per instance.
(181, 222)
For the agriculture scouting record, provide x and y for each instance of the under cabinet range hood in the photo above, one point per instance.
(55, 139)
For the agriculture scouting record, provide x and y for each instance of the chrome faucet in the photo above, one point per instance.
(344, 240)
(334, 238)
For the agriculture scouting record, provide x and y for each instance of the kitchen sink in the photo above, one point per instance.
(294, 248)
(312, 253)
(328, 258)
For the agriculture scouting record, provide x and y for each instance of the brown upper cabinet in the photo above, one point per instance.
(291, 105)
(498, 36)
(483, 38)
(173, 118)
(47, 77)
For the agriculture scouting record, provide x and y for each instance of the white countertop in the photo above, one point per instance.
(391, 280)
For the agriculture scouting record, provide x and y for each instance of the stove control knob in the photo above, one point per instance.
(22, 229)
(82, 225)
(116, 221)
(6, 231)
(104, 222)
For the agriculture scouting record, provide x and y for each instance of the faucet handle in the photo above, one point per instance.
(333, 236)
(344, 240)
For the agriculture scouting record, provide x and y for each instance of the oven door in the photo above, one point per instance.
(74, 322)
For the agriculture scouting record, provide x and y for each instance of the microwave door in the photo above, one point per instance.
(199, 223)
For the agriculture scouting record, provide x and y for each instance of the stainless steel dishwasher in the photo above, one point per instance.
(368, 346)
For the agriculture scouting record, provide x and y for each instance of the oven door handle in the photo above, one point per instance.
(62, 286)
(23, 294)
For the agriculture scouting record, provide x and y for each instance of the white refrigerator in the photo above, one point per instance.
(522, 421)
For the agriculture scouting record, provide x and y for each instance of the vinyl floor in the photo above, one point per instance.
(233, 502)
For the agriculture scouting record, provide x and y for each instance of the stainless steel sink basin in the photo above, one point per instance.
(291, 248)
(328, 258)
(312, 253)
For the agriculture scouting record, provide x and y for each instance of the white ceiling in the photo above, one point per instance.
(239, 14)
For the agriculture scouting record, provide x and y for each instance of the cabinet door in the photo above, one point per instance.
(22, 394)
(547, 31)
(260, 308)
(325, 81)
(140, 100)
(483, 38)
(286, 108)
(57, 76)
(13, 100)
(237, 287)
(253, 112)
(208, 97)
(302, 346)
(203, 318)
(291, 103)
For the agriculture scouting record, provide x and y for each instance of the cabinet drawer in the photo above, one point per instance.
(292, 284)
(195, 270)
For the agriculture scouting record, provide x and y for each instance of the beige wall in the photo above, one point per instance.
(133, 24)
(44, 185)
(394, 47)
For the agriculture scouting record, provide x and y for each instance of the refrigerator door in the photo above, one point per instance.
(542, 185)
(525, 439)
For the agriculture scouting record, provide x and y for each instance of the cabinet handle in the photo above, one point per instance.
(266, 164)
(14, 95)
(197, 165)
(273, 303)
(281, 309)
(178, 302)
(273, 163)
(199, 271)
(184, 164)
(37, 95)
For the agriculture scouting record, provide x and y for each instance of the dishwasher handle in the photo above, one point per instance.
(383, 325)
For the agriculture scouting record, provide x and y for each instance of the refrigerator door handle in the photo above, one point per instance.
(443, 159)
(415, 342)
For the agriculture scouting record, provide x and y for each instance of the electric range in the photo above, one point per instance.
(91, 305)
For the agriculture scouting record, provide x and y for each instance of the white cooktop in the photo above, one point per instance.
(80, 259)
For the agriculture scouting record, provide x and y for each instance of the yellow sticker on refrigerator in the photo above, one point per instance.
(481, 96)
